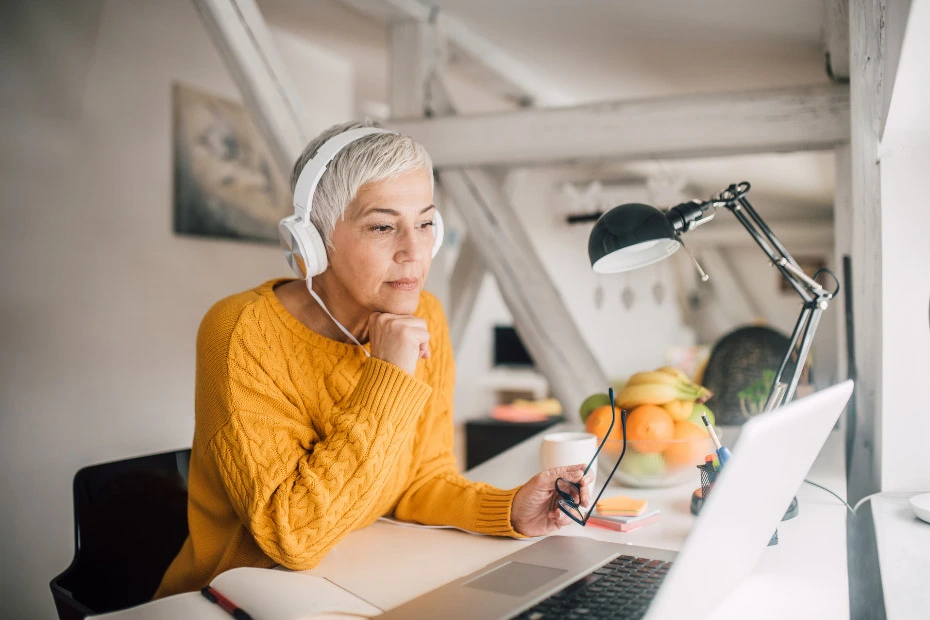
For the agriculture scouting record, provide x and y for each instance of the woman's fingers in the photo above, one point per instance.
(401, 340)
(569, 472)
(586, 491)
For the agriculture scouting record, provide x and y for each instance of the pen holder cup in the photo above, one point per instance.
(708, 475)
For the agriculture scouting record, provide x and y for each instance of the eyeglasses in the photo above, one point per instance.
(569, 492)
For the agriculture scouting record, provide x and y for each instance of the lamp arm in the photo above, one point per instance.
(815, 297)
(734, 199)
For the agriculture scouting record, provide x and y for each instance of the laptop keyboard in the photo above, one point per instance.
(622, 588)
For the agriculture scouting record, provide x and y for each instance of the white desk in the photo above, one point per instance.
(903, 543)
(804, 576)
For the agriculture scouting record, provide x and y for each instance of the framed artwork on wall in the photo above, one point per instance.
(225, 181)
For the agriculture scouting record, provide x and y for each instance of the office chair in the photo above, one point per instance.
(130, 520)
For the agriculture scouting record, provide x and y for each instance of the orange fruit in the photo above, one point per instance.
(650, 426)
(599, 421)
(690, 447)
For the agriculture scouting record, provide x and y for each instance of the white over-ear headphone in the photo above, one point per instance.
(301, 241)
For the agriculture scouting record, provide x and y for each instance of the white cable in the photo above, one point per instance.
(338, 324)
(892, 493)
(854, 509)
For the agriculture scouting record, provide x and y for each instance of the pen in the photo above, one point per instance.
(212, 595)
(722, 451)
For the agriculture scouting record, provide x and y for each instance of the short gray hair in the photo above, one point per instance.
(370, 159)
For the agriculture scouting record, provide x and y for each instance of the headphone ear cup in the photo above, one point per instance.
(303, 247)
(438, 232)
(316, 247)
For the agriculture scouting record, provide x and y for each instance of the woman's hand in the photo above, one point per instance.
(399, 339)
(534, 511)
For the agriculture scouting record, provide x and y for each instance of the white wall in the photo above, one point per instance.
(905, 160)
(100, 300)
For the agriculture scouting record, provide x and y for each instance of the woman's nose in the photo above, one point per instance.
(414, 244)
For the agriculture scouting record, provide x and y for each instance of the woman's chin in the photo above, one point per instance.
(401, 302)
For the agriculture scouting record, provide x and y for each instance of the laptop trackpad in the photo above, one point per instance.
(515, 578)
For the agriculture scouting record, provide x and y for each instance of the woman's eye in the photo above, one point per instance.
(381, 228)
(427, 224)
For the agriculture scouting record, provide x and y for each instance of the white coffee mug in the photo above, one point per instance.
(560, 449)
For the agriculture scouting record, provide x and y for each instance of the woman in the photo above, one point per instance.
(323, 404)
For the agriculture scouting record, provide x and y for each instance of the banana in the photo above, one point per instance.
(650, 394)
(675, 372)
(644, 378)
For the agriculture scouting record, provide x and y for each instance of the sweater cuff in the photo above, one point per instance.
(385, 388)
(494, 513)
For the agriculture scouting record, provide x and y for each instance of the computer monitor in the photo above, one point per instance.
(509, 349)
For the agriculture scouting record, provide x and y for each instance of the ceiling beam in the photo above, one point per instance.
(734, 299)
(542, 319)
(510, 76)
(239, 34)
(704, 125)
(464, 285)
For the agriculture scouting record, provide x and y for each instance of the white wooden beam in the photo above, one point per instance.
(515, 79)
(464, 286)
(792, 119)
(542, 319)
(240, 35)
(734, 300)
(866, 38)
(836, 38)
(411, 46)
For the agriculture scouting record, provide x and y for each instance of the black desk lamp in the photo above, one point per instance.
(631, 236)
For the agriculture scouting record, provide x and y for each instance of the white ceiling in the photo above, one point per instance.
(602, 49)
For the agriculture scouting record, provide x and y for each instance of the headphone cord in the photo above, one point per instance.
(338, 324)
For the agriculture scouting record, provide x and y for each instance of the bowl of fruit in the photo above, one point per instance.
(666, 438)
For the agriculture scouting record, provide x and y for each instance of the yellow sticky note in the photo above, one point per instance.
(622, 505)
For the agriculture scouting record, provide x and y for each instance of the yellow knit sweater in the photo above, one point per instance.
(299, 440)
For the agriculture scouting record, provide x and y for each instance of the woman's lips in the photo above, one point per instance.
(405, 284)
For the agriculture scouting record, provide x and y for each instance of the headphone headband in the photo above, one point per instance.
(313, 171)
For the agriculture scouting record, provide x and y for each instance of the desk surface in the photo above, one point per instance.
(804, 576)
(903, 543)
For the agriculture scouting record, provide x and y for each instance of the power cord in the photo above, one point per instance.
(853, 509)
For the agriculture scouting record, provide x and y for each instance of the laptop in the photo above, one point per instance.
(575, 576)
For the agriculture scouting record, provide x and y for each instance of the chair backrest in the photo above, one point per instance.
(130, 520)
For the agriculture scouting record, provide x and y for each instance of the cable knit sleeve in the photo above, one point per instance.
(296, 493)
(439, 494)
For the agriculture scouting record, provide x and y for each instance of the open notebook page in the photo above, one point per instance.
(265, 594)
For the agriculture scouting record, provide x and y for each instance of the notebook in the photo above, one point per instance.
(263, 593)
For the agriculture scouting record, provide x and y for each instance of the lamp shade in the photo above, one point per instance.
(629, 237)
